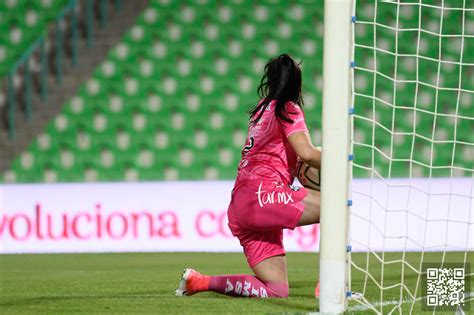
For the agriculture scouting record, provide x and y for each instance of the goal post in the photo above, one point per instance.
(335, 167)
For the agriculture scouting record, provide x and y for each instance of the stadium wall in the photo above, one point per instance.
(191, 216)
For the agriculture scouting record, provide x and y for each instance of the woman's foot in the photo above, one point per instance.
(192, 282)
(316, 291)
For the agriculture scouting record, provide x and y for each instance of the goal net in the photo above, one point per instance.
(413, 152)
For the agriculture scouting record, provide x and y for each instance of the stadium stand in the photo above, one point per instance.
(169, 101)
(50, 70)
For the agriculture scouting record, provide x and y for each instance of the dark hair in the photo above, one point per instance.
(281, 82)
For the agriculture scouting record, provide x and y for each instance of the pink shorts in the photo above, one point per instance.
(258, 213)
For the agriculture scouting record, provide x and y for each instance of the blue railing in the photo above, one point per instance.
(39, 44)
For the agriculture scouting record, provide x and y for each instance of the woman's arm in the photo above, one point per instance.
(303, 147)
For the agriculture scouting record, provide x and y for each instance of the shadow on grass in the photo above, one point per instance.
(295, 301)
(289, 303)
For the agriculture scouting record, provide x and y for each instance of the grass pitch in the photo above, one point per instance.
(145, 283)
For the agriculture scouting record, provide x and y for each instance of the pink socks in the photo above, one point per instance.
(247, 286)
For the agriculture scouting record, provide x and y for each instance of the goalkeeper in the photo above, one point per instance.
(263, 200)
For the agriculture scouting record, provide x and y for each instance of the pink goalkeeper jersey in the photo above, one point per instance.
(267, 154)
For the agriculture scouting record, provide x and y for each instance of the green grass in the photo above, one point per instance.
(145, 283)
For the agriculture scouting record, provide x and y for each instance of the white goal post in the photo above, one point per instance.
(335, 168)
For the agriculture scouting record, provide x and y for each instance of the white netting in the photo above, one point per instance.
(413, 140)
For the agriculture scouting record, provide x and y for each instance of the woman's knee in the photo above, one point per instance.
(277, 290)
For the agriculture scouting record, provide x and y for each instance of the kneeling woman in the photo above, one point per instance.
(263, 200)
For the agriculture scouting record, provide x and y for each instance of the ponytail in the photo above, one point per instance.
(281, 82)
